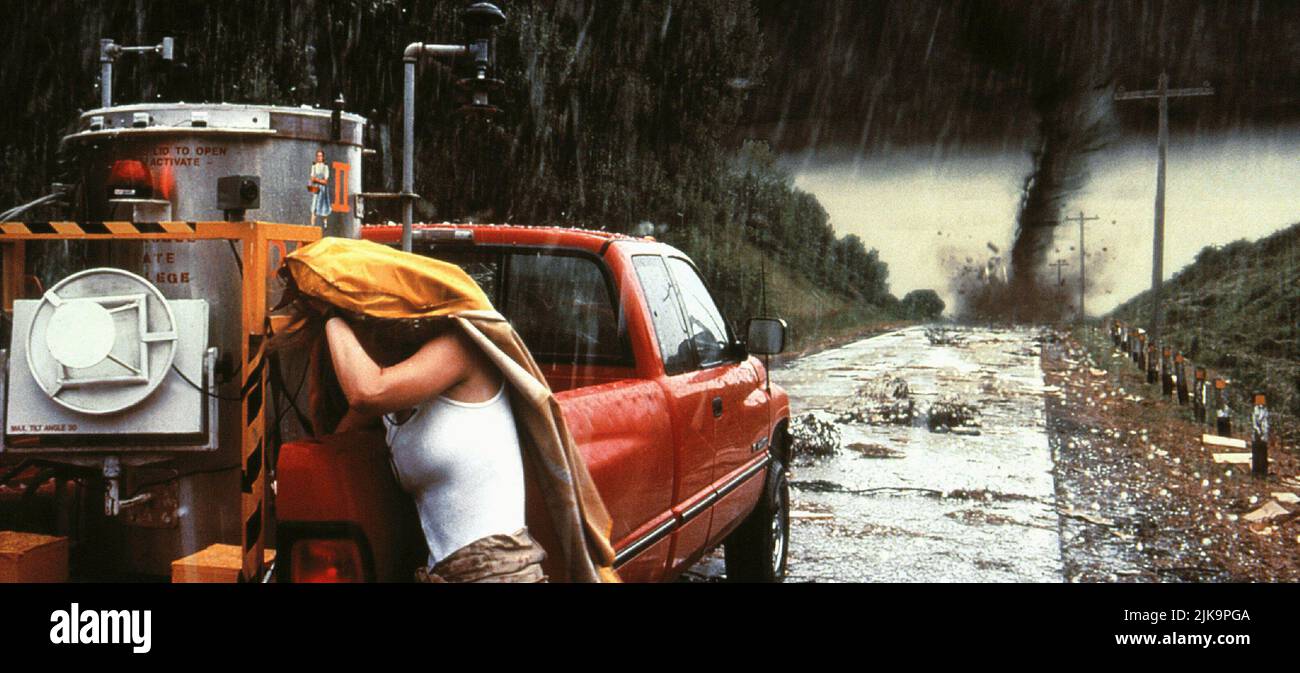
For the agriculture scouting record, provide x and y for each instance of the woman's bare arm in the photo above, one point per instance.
(372, 390)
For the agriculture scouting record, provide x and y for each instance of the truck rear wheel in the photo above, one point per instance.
(757, 550)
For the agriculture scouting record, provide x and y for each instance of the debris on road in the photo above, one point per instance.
(1270, 511)
(1084, 516)
(1225, 442)
(882, 401)
(951, 415)
(812, 516)
(944, 336)
(812, 436)
(875, 451)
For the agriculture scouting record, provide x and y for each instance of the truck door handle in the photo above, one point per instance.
(717, 407)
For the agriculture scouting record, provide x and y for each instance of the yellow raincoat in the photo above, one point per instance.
(376, 280)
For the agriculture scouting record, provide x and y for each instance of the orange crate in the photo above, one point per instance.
(28, 557)
(217, 563)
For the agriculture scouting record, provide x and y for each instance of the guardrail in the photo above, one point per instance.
(1209, 397)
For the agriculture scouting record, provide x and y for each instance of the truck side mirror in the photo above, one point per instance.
(765, 336)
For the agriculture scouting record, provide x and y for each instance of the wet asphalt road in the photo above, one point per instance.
(900, 503)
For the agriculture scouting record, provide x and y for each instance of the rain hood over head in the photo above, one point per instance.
(374, 280)
(381, 282)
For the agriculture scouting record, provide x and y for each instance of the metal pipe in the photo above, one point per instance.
(408, 145)
(410, 57)
(109, 51)
(105, 73)
(416, 50)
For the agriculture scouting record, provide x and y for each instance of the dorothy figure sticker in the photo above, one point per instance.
(320, 199)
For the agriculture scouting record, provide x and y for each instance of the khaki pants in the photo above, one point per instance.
(495, 558)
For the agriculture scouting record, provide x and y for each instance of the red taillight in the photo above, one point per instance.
(335, 560)
(129, 179)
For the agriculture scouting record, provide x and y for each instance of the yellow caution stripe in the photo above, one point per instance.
(95, 228)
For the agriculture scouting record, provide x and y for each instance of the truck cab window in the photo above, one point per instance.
(666, 314)
(560, 304)
(562, 308)
(708, 330)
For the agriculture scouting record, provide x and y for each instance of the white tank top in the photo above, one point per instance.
(462, 464)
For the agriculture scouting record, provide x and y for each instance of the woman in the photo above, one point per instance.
(320, 200)
(450, 431)
(454, 446)
(413, 342)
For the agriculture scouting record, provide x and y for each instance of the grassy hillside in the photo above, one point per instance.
(1237, 310)
(815, 314)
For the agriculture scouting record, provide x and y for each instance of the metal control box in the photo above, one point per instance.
(103, 360)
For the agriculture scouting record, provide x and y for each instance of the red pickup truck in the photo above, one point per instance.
(683, 433)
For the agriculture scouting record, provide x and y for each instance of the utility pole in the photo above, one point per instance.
(1082, 270)
(1163, 93)
(1058, 264)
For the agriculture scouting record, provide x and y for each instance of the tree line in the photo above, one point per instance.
(615, 115)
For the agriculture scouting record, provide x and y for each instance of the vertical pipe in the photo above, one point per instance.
(105, 73)
(408, 149)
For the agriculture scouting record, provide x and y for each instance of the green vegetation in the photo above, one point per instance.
(921, 305)
(615, 116)
(1237, 310)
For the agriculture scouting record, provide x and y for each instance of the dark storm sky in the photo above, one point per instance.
(851, 77)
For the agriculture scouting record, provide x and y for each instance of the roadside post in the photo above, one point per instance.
(1259, 437)
(1201, 395)
(1139, 352)
(1180, 378)
(1222, 414)
(1166, 372)
(1151, 364)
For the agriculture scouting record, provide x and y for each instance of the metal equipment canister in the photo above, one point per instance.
(162, 162)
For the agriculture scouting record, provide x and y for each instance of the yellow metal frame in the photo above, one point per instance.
(255, 240)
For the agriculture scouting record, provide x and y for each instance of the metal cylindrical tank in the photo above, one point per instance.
(154, 162)
(184, 148)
